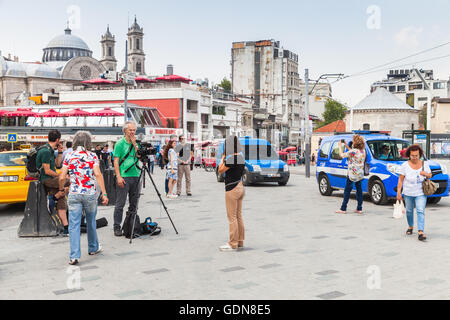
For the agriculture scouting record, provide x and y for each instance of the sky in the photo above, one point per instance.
(347, 36)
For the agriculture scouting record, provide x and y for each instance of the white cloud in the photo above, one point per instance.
(408, 37)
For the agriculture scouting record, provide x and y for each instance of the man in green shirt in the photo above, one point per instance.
(127, 174)
(47, 164)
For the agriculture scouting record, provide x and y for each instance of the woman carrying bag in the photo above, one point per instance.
(355, 175)
(233, 166)
(412, 175)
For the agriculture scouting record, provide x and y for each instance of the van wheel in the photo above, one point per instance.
(219, 176)
(246, 178)
(324, 186)
(433, 200)
(377, 192)
(282, 183)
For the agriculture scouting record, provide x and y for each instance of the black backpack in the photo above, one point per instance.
(33, 170)
(127, 227)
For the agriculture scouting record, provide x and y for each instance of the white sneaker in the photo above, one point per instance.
(98, 250)
(172, 196)
(227, 247)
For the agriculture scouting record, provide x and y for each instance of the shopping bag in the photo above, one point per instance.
(399, 210)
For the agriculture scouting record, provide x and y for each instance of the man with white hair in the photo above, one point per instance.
(127, 174)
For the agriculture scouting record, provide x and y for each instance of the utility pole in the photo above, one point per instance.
(125, 81)
(306, 128)
(429, 98)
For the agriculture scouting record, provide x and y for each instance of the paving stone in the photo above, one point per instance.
(320, 237)
(232, 269)
(307, 251)
(156, 271)
(389, 254)
(270, 266)
(349, 238)
(326, 272)
(67, 291)
(90, 278)
(11, 262)
(432, 281)
(274, 250)
(127, 294)
(84, 268)
(207, 259)
(127, 253)
(60, 242)
(159, 254)
(331, 295)
(202, 230)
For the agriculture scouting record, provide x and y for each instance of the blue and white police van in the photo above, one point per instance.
(262, 163)
(384, 158)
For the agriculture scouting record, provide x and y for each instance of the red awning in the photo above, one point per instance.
(174, 77)
(77, 112)
(21, 112)
(142, 79)
(99, 81)
(289, 149)
(49, 114)
(107, 112)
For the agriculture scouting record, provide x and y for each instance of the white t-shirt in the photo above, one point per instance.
(412, 184)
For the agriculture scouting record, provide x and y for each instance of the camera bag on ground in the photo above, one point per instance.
(102, 222)
(127, 227)
(150, 227)
(33, 170)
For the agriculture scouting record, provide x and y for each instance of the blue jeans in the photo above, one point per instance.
(77, 204)
(152, 165)
(348, 190)
(419, 203)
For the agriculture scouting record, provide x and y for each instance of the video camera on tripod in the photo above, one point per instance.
(146, 149)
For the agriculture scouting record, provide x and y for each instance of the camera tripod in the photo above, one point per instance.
(146, 169)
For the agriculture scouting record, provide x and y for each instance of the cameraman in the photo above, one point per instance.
(127, 174)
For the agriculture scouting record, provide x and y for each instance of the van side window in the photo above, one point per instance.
(325, 150)
(335, 152)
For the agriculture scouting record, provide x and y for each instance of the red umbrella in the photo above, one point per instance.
(77, 112)
(142, 79)
(174, 77)
(99, 81)
(49, 114)
(21, 112)
(107, 112)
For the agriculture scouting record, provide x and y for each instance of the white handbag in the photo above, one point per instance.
(399, 210)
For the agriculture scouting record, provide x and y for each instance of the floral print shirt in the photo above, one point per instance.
(356, 159)
(80, 165)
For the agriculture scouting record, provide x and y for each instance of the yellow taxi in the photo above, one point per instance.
(14, 180)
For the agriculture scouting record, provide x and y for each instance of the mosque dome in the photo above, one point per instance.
(65, 47)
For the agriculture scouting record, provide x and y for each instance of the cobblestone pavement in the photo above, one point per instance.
(296, 248)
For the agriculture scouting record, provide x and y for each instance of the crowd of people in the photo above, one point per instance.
(79, 184)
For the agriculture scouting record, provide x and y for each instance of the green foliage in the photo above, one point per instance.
(225, 85)
(22, 121)
(333, 111)
(5, 121)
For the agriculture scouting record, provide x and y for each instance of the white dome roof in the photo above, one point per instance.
(41, 70)
(68, 40)
(15, 69)
(382, 99)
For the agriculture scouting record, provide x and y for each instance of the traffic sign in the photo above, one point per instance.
(12, 137)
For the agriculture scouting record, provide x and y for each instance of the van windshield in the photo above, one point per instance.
(263, 152)
(389, 150)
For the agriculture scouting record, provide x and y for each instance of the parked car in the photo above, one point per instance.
(262, 163)
(14, 180)
(381, 184)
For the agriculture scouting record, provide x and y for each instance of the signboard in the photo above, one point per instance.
(12, 137)
(440, 146)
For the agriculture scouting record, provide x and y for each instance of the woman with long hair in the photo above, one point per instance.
(233, 166)
(412, 173)
(172, 167)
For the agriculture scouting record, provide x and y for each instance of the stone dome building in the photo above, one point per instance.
(382, 111)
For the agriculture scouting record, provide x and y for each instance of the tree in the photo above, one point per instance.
(225, 85)
(333, 111)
